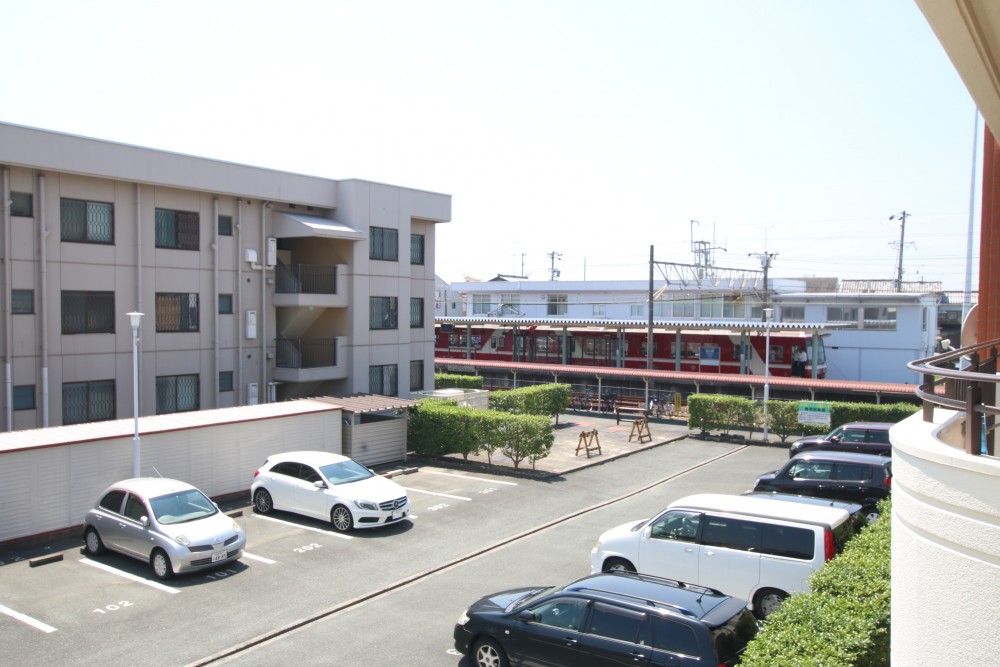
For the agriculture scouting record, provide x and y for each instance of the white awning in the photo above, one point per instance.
(288, 225)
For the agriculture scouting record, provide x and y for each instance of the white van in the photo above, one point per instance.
(757, 549)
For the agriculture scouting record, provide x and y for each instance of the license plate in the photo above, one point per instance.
(219, 556)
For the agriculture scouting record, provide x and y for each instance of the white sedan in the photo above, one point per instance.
(329, 487)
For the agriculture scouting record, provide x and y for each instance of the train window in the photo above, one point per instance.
(777, 354)
(656, 348)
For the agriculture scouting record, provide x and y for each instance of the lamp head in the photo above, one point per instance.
(135, 319)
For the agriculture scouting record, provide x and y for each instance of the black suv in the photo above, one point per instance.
(604, 619)
(861, 437)
(857, 478)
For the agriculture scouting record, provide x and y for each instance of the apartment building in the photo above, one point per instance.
(254, 285)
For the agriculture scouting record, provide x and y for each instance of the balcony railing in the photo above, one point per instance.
(972, 390)
(305, 353)
(305, 279)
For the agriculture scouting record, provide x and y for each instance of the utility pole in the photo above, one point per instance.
(649, 323)
(554, 272)
(765, 263)
(899, 256)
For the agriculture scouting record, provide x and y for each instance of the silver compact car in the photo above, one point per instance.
(330, 487)
(167, 523)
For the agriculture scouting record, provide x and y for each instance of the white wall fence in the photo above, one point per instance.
(49, 478)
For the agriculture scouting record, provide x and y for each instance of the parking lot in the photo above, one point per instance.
(296, 572)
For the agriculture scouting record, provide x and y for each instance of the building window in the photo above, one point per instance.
(24, 397)
(842, 316)
(225, 381)
(416, 313)
(416, 248)
(599, 310)
(176, 393)
(382, 312)
(557, 304)
(880, 318)
(22, 301)
(176, 229)
(88, 312)
(225, 225)
(793, 313)
(22, 205)
(384, 244)
(480, 304)
(635, 310)
(382, 380)
(87, 221)
(176, 312)
(416, 375)
(225, 304)
(88, 401)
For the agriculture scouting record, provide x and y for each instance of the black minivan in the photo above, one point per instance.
(612, 618)
(860, 437)
(857, 478)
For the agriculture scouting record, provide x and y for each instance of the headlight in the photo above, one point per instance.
(366, 505)
(236, 527)
(464, 618)
(597, 547)
(183, 540)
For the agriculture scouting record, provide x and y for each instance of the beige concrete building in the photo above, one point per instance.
(255, 285)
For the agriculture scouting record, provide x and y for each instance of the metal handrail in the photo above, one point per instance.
(971, 389)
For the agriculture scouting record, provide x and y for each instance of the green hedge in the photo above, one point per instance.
(716, 412)
(547, 400)
(457, 381)
(844, 620)
(440, 427)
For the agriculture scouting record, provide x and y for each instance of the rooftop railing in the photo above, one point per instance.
(965, 380)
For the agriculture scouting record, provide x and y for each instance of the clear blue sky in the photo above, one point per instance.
(591, 129)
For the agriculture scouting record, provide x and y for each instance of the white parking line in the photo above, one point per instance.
(478, 479)
(298, 525)
(24, 618)
(432, 493)
(260, 559)
(126, 575)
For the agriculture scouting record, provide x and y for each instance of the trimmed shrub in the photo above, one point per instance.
(457, 381)
(544, 399)
(844, 619)
(439, 427)
(520, 437)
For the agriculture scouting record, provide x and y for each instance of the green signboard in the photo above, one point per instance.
(814, 412)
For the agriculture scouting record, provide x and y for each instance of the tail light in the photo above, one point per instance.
(888, 482)
(829, 548)
(256, 472)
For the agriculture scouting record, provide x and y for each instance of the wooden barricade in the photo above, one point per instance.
(640, 429)
(588, 441)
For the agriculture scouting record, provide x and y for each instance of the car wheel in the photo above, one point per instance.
(262, 502)
(767, 601)
(872, 516)
(618, 565)
(488, 653)
(341, 519)
(160, 563)
(92, 542)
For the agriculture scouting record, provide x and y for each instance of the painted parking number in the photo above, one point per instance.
(308, 547)
(439, 506)
(112, 607)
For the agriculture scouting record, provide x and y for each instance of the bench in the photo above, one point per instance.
(629, 407)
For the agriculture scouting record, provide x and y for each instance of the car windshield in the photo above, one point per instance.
(182, 506)
(345, 472)
(529, 597)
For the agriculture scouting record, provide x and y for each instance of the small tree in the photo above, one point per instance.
(521, 437)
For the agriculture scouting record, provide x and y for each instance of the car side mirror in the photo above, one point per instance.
(144, 521)
(835, 438)
(527, 616)
(319, 484)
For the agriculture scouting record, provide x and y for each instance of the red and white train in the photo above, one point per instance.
(701, 347)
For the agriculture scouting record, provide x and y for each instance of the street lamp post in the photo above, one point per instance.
(135, 319)
(768, 312)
